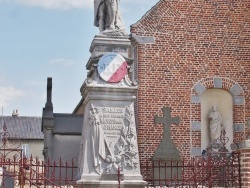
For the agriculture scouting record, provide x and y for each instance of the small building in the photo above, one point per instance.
(62, 132)
(23, 132)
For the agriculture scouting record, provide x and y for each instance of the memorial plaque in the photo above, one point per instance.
(113, 138)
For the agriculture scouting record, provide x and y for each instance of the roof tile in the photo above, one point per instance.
(22, 127)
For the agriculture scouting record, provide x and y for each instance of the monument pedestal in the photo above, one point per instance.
(112, 184)
(109, 138)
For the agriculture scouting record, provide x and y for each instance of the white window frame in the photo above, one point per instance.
(26, 150)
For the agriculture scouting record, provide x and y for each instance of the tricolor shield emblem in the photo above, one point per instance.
(112, 67)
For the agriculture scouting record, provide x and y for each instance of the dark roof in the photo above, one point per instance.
(68, 124)
(22, 127)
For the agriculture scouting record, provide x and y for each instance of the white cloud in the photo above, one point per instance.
(55, 4)
(8, 94)
(65, 4)
(61, 61)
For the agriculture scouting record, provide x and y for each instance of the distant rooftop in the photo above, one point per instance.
(22, 127)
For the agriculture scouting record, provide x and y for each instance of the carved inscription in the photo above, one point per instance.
(112, 122)
(110, 49)
(119, 137)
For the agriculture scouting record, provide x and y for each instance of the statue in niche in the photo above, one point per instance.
(98, 139)
(215, 124)
(107, 17)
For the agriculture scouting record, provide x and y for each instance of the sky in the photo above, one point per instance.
(49, 38)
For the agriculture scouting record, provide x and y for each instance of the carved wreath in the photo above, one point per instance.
(126, 153)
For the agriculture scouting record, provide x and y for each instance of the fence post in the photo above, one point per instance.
(119, 177)
(239, 170)
(210, 171)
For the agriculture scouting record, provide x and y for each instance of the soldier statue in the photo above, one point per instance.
(107, 16)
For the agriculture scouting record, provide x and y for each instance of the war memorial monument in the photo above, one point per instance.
(109, 138)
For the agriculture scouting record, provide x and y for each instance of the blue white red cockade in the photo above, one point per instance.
(112, 67)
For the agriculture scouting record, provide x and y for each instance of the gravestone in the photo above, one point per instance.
(6, 180)
(167, 153)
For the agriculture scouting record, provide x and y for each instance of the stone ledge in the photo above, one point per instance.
(199, 88)
(196, 151)
(143, 39)
(238, 127)
(195, 99)
(196, 126)
(218, 83)
(236, 89)
(242, 145)
(239, 100)
(112, 184)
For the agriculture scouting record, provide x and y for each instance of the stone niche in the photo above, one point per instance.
(223, 100)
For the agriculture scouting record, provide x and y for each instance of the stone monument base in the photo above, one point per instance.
(111, 181)
(111, 184)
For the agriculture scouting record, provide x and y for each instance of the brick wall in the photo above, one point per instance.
(197, 43)
(245, 166)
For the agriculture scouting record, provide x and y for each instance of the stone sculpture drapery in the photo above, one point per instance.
(107, 16)
(98, 138)
(215, 124)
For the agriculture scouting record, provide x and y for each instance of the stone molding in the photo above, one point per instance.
(196, 151)
(218, 83)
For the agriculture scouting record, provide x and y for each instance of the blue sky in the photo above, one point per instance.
(49, 38)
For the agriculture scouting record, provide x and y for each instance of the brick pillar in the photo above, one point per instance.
(245, 164)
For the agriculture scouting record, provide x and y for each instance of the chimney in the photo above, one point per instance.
(15, 113)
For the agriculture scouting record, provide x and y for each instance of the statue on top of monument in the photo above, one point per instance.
(215, 124)
(108, 18)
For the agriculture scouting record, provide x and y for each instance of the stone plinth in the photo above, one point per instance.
(103, 44)
(109, 137)
(112, 184)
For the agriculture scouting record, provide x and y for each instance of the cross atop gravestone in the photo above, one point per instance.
(167, 149)
(167, 120)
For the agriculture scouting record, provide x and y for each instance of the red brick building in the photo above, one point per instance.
(190, 47)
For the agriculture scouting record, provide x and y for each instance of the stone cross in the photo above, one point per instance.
(166, 120)
(167, 149)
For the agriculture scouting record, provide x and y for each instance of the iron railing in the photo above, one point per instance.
(221, 170)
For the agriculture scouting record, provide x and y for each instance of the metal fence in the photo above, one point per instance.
(221, 169)
(18, 171)
(212, 171)
(23, 172)
(218, 170)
